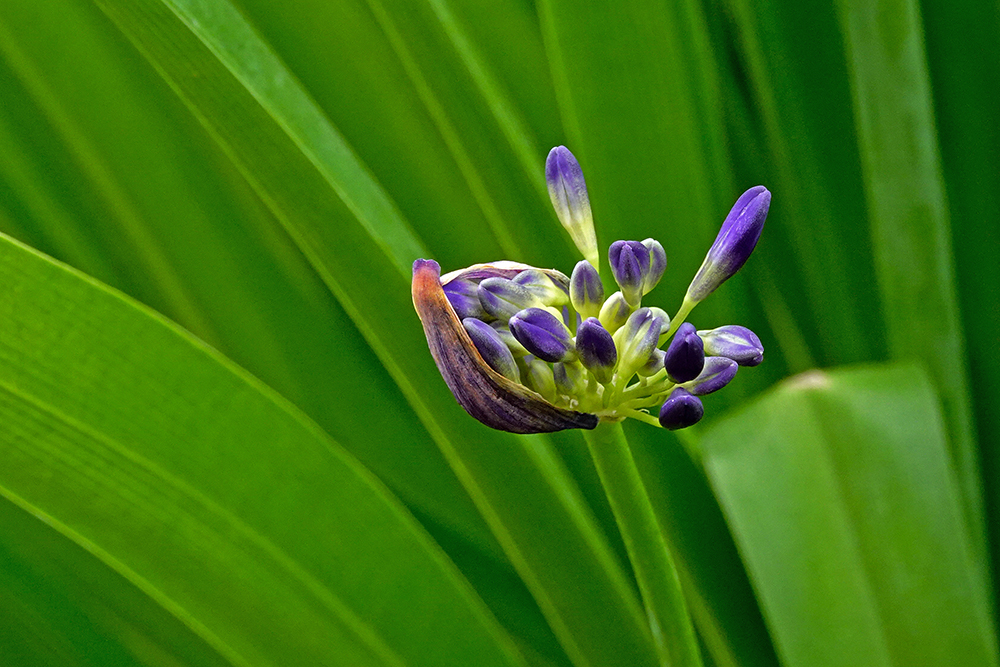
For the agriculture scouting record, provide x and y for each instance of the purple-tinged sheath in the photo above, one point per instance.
(630, 266)
(736, 240)
(681, 410)
(485, 394)
(586, 291)
(734, 342)
(597, 349)
(685, 357)
(542, 334)
(717, 373)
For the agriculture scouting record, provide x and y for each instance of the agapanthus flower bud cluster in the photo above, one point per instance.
(531, 350)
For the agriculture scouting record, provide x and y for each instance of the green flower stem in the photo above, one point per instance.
(647, 549)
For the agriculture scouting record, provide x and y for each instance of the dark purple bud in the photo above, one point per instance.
(717, 373)
(543, 287)
(463, 295)
(685, 356)
(735, 342)
(492, 348)
(736, 240)
(586, 291)
(657, 264)
(681, 410)
(503, 298)
(597, 349)
(542, 334)
(568, 192)
(630, 266)
(481, 391)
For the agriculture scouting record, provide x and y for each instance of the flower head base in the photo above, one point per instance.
(529, 350)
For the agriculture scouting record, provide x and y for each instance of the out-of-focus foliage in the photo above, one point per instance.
(284, 478)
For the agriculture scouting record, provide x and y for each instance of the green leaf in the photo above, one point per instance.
(210, 494)
(840, 493)
(911, 233)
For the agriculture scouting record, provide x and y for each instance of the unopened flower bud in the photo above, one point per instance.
(543, 287)
(636, 341)
(653, 364)
(630, 266)
(681, 410)
(503, 298)
(570, 378)
(463, 295)
(657, 264)
(586, 291)
(542, 334)
(503, 331)
(615, 312)
(568, 192)
(716, 374)
(597, 349)
(734, 342)
(538, 376)
(685, 357)
(493, 350)
(736, 240)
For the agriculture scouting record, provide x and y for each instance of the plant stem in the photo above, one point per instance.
(647, 549)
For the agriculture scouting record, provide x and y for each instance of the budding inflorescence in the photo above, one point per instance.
(531, 350)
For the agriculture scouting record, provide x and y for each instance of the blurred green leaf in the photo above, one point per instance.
(97, 394)
(840, 493)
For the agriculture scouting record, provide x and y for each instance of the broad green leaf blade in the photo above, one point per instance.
(213, 59)
(839, 490)
(138, 196)
(911, 233)
(211, 494)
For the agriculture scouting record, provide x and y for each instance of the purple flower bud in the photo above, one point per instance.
(543, 287)
(463, 295)
(732, 247)
(568, 192)
(630, 266)
(542, 334)
(717, 373)
(657, 264)
(614, 312)
(586, 291)
(503, 298)
(493, 350)
(681, 410)
(597, 349)
(685, 357)
(735, 342)
(636, 341)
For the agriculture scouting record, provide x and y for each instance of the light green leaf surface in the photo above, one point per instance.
(181, 473)
(841, 496)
